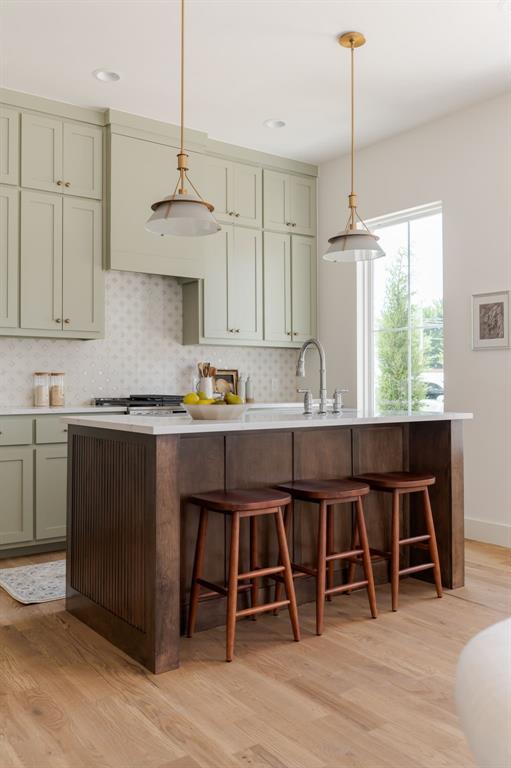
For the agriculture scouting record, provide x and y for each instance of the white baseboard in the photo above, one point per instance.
(491, 533)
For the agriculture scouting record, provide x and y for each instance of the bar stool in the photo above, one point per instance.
(325, 493)
(252, 503)
(400, 483)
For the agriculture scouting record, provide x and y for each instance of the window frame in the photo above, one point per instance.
(365, 314)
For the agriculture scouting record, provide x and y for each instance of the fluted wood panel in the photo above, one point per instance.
(108, 531)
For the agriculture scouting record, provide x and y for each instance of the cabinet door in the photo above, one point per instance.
(245, 284)
(277, 287)
(214, 286)
(83, 160)
(82, 268)
(276, 201)
(213, 178)
(41, 152)
(302, 196)
(41, 260)
(50, 491)
(17, 507)
(9, 241)
(9, 146)
(247, 195)
(303, 287)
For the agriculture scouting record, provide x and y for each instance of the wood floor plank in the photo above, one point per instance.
(367, 694)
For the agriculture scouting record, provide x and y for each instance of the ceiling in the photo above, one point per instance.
(251, 60)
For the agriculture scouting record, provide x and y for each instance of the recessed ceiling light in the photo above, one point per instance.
(106, 75)
(274, 123)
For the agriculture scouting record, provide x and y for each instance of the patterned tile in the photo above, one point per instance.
(142, 351)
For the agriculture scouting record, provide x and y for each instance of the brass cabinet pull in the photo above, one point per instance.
(67, 183)
(230, 213)
(58, 320)
(237, 330)
(59, 183)
(288, 333)
(237, 215)
(67, 320)
(288, 224)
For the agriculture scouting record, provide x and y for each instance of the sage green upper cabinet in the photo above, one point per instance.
(245, 284)
(234, 189)
(227, 306)
(82, 276)
(61, 276)
(142, 172)
(83, 160)
(289, 203)
(303, 287)
(41, 152)
(41, 260)
(289, 287)
(61, 156)
(50, 491)
(277, 287)
(9, 146)
(17, 507)
(9, 250)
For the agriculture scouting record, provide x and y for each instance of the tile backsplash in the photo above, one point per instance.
(142, 351)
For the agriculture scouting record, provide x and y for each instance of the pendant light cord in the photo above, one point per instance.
(352, 118)
(182, 74)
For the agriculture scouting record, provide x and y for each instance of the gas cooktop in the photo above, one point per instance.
(157, 405)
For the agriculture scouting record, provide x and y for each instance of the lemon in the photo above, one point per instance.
(206, 401)
(191, 398)
(219, 402)
(203, 396)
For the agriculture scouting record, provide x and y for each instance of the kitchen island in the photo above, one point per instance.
(131, 530)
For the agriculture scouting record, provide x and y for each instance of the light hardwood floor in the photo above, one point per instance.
(367, 694)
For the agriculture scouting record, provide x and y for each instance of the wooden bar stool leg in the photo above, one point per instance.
(366, 558)
(253, 563)
(232, 587)
(330, 549)
(278, 583)
(433, 548)
(321, 568)
(198, 563)
(288, 574)
(355, 538)
(394, 564)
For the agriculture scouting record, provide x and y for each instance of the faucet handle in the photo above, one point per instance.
(307, 400)
(338, 393)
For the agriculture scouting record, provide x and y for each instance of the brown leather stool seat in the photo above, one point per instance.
(327, 493)
(242, 503)
(400, 483)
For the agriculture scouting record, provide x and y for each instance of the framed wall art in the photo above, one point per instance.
(490, 320)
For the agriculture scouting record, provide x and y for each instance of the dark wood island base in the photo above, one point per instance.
(131, 531)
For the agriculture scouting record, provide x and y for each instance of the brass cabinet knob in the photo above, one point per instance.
(67, 184)
(288, 224)
(237, 215)
(230, 213)
(293, 224)
(289, 333)
(58, 320)
(67, 320)
(237, 330)
(59, 183)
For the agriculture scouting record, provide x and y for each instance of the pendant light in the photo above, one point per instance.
(353, 243)
(182, 212)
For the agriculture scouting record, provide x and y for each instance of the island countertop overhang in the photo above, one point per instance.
(254, 421)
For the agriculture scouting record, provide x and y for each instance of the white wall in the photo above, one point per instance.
(464, 160)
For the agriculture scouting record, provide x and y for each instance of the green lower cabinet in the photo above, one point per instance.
(50, 491)
(17, 495)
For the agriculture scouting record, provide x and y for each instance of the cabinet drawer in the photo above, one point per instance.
(14, 431)
(50, 430)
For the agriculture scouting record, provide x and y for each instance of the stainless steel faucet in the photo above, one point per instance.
(300, 369)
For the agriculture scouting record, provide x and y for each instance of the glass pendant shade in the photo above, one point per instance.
(184, 215)
(353, 245)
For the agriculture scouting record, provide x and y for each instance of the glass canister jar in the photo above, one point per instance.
(41, 389)
(57, 397)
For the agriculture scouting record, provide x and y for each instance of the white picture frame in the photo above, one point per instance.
(490, 320)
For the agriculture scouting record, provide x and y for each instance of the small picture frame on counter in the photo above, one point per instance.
(490, 320)
(226, 381)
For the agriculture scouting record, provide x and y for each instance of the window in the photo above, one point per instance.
(401, 342)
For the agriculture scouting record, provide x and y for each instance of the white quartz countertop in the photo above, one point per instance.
(8, 411)
(274, 418)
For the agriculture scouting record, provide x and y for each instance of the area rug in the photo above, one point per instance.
(35, 583)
